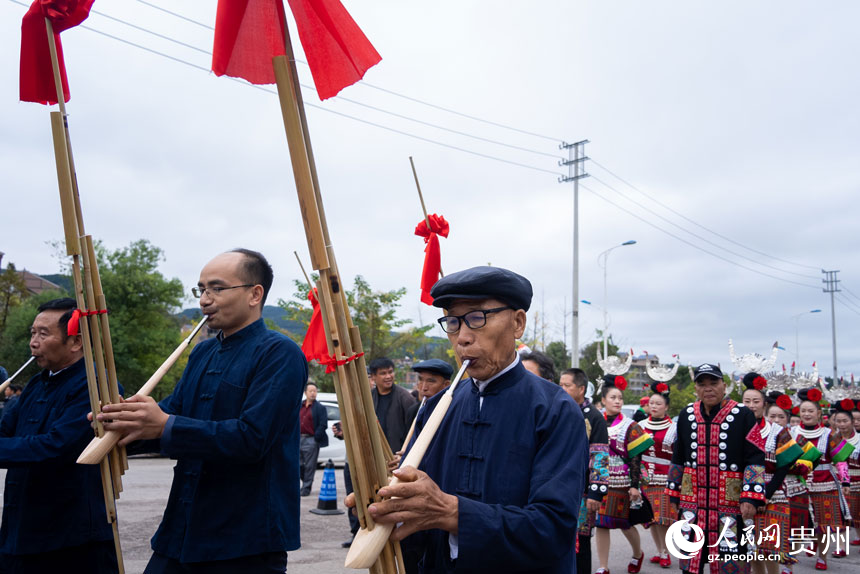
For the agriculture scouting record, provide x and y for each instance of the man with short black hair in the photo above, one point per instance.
(232, 423)
(540, 364)
(575, 383)
(54, 516)
(391, 402)
(313, 421)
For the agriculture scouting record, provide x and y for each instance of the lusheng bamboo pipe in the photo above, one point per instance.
(8, 381)
(100, 446)
(368, 544)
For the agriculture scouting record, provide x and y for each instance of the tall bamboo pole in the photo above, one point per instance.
(98, 382)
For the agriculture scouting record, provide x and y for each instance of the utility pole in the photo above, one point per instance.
(831, 283)
(575, 171)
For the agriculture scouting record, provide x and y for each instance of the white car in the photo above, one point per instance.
(336, 449)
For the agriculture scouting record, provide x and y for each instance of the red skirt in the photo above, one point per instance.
(659, 500)
(774, 514)
(799, 511)
(826, 511)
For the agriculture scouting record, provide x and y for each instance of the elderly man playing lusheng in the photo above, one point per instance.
(53, 509)
(499, 488)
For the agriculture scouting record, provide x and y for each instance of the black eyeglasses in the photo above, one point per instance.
(214, 291)
(473, 319)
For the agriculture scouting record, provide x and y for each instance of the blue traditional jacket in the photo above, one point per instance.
(234, 429)
(50, 502)
(516, 457)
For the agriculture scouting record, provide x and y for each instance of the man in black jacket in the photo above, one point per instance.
(391, 402)
(313, 421)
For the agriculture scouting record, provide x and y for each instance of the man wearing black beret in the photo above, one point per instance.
(499, 488)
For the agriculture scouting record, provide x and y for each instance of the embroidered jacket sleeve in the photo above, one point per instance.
(598, 460)
(676, 468)
(753, 464)
(787, 453)
(638, 441)
(840, 450)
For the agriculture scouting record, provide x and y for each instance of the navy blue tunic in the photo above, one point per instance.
(517, 464)
(50, 502)
(235, 434)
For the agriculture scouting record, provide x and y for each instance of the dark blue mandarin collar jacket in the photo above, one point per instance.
(234, 429)
(50, 502)
(518, 465)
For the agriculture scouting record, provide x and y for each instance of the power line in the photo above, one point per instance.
(357, 119)
(846, 304)
(340, 98)
(693, 245)
(386, 90)
(697, 236)
(721, 236)
(849, 292)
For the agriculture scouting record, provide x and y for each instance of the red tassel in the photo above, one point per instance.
(36, 82)
(314, 346)
(432, 253)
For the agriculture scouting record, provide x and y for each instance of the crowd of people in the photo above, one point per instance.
(522, 474)
(768, 480)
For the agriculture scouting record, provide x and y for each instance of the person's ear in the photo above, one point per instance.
(519, 320)
(256, 298)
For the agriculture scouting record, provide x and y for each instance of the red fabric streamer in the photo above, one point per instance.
(36, 83)
(314, 346)
(432, 254)
(249, 33)
(74, 326)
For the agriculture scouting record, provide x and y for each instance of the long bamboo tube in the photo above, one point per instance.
(368, 543)
(100, 446)
(421, 198)
(8, 381)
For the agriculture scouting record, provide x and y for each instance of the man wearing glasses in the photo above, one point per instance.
(232, 423)
(499, 488)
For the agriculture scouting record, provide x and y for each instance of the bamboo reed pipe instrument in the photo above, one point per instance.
(368, 543)
(8, 381)
(93, 321)
(100, 446)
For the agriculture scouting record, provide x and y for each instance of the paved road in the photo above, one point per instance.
(147, 483)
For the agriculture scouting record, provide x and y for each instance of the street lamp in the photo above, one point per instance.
(797, 333)
(605, 255)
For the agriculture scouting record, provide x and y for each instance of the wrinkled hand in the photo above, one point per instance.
(136, 418)
(418, 503)
(592, 505)
(747, 510)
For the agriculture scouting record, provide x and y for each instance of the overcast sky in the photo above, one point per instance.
(740, 117)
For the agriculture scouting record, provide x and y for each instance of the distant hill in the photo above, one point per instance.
(63, 281)
(271, 312)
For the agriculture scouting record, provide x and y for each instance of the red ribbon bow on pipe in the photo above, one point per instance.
(37, 73)
(314, 346)
(432, 254)
(74, 326)
(249, 33)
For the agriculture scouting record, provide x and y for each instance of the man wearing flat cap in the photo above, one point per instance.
(434, 375)
(500, 485)
(716, 478)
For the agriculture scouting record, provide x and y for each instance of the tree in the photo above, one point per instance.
(13, 290)
(559, 354)
(383, 334)
(142, 304)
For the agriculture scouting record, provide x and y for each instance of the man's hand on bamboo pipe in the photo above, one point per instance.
(136, 418)
(417, 502)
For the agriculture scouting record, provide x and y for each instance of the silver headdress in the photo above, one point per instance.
(753, 362)
(662, 373)
(612, 365)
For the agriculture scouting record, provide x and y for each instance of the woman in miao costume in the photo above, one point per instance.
(782, 453)
(627, 443)
(843, 419)
(658, 457)
(830, 472)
